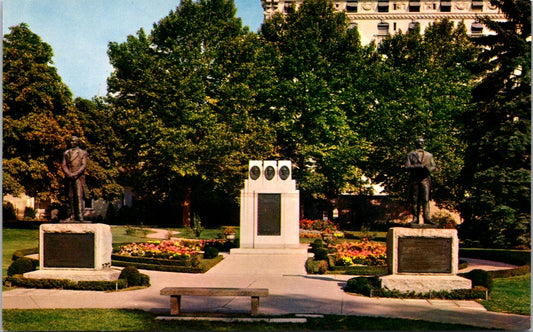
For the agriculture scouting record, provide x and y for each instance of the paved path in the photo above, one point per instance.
(291, 291)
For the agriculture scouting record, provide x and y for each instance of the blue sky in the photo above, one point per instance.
(79, 31)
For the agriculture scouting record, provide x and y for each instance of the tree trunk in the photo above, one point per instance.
(186, 218)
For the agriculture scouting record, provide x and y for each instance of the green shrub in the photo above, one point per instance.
(359, 285)
(29, 213)
(516, 257)
(518, 271)
(8, 212)
(20, 266)
(321, 254)
(132, 276)
(317, 244)
(19, 281)
(321, 266)
(210, 252)
(310, 265)
(479, 278)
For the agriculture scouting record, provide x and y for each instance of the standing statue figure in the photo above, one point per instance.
(74, 164)
(420, 165)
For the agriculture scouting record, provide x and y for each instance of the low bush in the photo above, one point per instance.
(515, 257)
(197, 265)
(370, 286)
(365, 270)
(317, 244)
(24, 252)
(132, 276)
(19, 281)
(518, 271)
(21, 266)
(321, 254)
(210, 252)
(360, 285)
(479, 278)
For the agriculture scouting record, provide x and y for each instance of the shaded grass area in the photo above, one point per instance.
(16, 239)
(510, 295)
(137, 320)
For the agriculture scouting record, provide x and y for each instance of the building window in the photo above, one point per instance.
(383, 29)
(477, 5)
(414, 6)
(413, 26)
(445, 6)
(477, 28)
(351, 7)
(383, 6)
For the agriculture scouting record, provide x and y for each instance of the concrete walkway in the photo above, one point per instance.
(291, 291)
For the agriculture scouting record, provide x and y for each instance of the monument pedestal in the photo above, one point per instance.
(423, 260)
(75, 251)
(270, 208)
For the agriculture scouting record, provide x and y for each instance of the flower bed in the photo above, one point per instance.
(183, 255)
(174, 250)
(363, 252)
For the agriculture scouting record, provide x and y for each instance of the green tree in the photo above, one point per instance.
(100, 141)
(181, 100)
(496, 178)
(315, 54)
(421, 86)
(37, 116)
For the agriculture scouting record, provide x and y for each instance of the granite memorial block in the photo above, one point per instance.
(270, 210)
(75, 251)
(423, 260)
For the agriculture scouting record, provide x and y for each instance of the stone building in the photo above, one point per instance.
(375, 19)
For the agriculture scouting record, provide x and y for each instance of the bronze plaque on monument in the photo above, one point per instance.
(68, 250)
(424, 255)
(269, 214)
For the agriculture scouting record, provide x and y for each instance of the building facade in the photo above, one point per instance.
(375, 19)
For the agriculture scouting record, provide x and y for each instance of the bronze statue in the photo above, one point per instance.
(74, 164)
(420, 165)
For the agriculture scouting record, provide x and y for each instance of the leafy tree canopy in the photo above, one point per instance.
(497, 174)
(37, 116)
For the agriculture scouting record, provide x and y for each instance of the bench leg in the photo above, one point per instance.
(175, 304)
(255, 305)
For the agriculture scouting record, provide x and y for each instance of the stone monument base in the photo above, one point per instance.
(75, 275)
(299, 250)
(424, 283)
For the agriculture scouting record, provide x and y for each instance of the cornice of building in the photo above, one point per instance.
(423, 16)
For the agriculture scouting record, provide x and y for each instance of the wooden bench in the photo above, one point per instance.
(177, 292)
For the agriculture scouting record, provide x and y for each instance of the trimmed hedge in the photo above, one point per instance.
(142, 263)
(479, 278)
(21, 266)
(24, 252)
(151, 261)
(515, 257)
(20, 281)
(361, 270)
(370, 286)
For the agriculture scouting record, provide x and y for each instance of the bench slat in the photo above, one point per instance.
(211, 291)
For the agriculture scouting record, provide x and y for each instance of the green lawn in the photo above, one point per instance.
(511, 295)
(17, 239)
(137, 320)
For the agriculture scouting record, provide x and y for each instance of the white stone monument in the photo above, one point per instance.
(75, 251)
(423, 260)
(270, 208)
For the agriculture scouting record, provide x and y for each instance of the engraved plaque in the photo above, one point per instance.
(69, 250)
(424, 255)
(269, 214)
